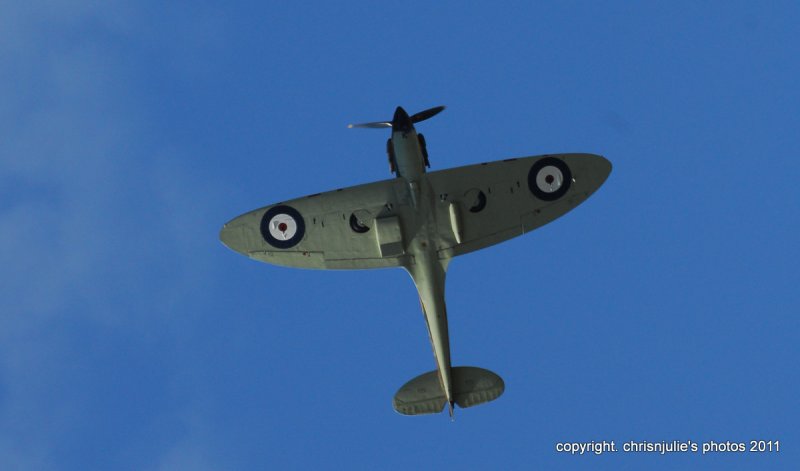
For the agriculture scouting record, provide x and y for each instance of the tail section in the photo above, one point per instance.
(471, 386)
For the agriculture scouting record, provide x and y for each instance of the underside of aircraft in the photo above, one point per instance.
(419, 221)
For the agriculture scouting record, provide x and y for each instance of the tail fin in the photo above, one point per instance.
(471, 386)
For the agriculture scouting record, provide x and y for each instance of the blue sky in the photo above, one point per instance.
(664, 308)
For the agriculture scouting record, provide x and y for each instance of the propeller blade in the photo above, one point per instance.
(421, 116)
(429, 113)
(376, 125)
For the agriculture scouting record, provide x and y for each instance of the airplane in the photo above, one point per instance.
(419, 221)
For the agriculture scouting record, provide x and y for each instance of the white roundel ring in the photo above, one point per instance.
(549, 179)
(282, 226)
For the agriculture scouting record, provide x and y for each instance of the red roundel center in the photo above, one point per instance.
(549, 179)
(282, 227)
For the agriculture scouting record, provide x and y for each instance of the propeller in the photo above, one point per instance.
(401, 117)
(375, 125)
(427, 114)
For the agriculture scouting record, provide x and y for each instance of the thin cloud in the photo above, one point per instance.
(86, 210)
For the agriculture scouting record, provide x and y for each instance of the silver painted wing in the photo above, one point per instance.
(485, 204)
(350, 228)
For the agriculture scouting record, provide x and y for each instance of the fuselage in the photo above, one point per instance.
(427, 271)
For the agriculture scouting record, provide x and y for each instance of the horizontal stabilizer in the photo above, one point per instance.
(471, 386)
(421, 395)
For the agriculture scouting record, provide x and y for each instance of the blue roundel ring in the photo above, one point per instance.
(549, 179)
(282, 226)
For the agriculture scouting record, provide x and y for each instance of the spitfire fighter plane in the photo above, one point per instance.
(419, 221)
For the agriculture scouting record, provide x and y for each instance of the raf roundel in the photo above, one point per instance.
(282, 227)
(549, 179)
